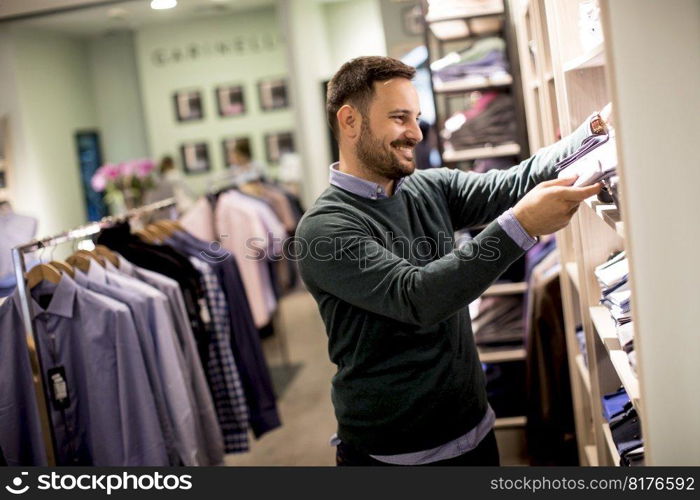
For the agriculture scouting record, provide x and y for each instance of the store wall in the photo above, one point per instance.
(118, 97)
(398, 40)
(354, 28)
(202, 54)
(54, 96)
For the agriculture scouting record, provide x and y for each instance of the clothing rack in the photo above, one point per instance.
(18, 254)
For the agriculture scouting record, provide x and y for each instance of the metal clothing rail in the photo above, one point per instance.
(18, 253)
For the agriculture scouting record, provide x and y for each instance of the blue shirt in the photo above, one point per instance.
(109, 418)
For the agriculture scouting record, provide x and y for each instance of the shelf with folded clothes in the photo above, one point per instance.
(456, 15)
(473, 84)
(508, 149)
(592, 59)
(495, 355)
(451, 30)
(614, 454)
(609, 213)
(605, 327)
(506, 288)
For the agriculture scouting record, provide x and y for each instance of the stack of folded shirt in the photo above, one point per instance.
(491, 120)
(613, 277)
(438, 9)
(625, 427)
(483, 63)
(499, 322)
(594, 161)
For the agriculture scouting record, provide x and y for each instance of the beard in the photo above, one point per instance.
(381, 160)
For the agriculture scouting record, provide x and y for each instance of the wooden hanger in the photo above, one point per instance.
(160, 233)
(146, 235)
(42, 272)
(80, 261)
(92, 255)
(107, 254)
(63, 267)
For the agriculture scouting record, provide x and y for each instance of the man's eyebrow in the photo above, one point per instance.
(401, 111)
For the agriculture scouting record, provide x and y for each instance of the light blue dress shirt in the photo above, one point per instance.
(97, 281)
(189, 439)
(205, 414)
(110, 418)
(20, 428)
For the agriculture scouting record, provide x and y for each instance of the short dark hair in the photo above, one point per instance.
(354, 83)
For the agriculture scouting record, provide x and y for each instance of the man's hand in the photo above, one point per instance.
(549, 206)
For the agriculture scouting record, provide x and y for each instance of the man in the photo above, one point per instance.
(392, 289)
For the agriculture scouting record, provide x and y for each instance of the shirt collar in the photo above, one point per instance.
(358, 186)
(62, 301)
(125, 267)
(96, 273)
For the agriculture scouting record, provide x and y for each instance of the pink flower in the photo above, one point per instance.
(127, 169)
(144, 167)
(110, 171)
(98, 181)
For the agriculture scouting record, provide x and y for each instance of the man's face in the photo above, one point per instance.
(390, 130)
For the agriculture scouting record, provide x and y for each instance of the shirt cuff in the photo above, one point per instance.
(511, 225)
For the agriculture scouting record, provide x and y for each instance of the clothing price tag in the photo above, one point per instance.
(204, 311)
(58, 387)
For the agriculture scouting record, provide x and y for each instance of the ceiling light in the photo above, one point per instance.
(163, 4)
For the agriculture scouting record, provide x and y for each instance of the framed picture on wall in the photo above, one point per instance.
(195, 157)
(188, 105)
(273, 94)
(230, 144)
(278, 144)
(230, 100)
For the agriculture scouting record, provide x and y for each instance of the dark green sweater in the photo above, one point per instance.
(393, 293)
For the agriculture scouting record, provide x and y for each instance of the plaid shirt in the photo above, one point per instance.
(224, 381)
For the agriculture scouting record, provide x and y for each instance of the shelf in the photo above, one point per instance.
(591, 59)
(548, 77)
(502, 355)
(608, 213)
(534, 85)
(614, 455)
(470, 86)
(451, 17)
(506, 288)
(510, 422)
(605, 326)
(509, 149)
(591, 455)
(583, 371)
(572, 272)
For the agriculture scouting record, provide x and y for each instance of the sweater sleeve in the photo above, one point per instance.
(476, 199)
(340, 257)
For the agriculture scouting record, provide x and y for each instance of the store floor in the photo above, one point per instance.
(303, 391)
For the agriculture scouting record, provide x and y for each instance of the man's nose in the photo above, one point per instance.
(414, 133)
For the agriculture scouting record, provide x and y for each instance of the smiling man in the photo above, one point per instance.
(393, 290)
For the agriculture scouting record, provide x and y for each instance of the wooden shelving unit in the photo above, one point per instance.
(564, 82)
(510, 149)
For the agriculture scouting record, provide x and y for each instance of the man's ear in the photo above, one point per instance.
(349, 121)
